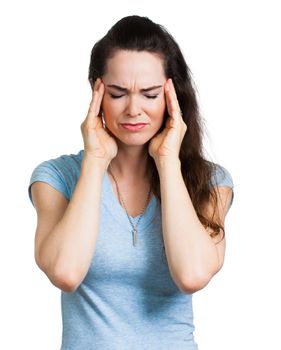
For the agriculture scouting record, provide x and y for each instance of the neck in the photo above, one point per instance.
(130, 163)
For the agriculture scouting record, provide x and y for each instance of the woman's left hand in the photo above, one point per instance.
(167, 143)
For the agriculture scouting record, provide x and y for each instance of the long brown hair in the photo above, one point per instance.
(141, 34)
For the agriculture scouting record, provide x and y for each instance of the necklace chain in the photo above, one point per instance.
(134, 231)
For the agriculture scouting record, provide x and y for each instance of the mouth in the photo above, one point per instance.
(133, 127)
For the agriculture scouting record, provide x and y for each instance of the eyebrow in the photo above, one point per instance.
(120, 88)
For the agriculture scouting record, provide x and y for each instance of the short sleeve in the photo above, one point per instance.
(222, 177)
(47, 172)
(62, 173)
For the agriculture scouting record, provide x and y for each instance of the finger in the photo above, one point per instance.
(95, 104)
(172, 101)
(100, 93)
(94, 84)
(175, 101)
(95, 90)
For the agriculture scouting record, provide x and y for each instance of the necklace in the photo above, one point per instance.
(134, 230)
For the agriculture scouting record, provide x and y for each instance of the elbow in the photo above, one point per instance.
(194, 282)
(193, 286)
(197, 279)
(65, 280)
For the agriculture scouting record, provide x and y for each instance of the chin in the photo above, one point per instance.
(132, 138)
(132, 143)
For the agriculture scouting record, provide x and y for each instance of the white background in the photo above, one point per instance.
(232, 48)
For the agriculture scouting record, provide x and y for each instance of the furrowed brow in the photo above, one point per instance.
(120, 88)
(151, 88)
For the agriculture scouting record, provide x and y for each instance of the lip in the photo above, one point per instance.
(133, 127)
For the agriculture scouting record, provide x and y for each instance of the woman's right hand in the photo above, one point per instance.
(97, 141)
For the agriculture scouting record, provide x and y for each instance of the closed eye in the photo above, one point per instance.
(118, 96)
(115, 96)
(150, 96)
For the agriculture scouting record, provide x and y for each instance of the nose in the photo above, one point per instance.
(133, 107)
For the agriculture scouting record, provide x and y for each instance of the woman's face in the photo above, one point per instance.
(134, 94)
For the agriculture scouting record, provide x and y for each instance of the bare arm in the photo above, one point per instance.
(66, 251)
(66, 233)
(193, 256)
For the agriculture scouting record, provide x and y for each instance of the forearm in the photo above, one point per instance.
(191, 253)
(68, 249)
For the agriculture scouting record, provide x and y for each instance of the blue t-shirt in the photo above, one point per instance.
(128, 299)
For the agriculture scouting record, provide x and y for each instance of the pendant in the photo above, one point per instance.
(135, 236)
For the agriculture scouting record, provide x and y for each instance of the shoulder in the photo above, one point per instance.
(222, 180)
(62, 173)
(221, 176)
(66, 165)
(65, 161)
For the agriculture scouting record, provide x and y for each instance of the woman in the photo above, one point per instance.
(132, 225)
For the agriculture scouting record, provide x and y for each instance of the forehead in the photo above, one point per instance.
(141, 67)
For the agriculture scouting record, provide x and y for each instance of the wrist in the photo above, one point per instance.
(166, 163)
(90, 163)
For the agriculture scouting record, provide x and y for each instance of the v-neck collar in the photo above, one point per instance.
(119, 212)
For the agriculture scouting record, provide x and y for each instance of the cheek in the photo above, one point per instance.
(160, 108)
(162, 111)
(106, 103)
(159, 116)
(158, 105)
(110, 107)
(162, 103)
